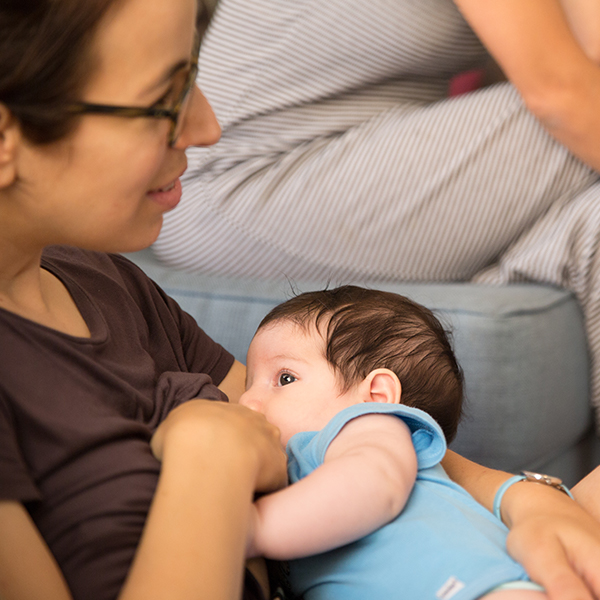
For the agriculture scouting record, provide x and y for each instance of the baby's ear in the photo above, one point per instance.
(382, 385)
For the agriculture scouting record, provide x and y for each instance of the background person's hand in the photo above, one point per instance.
(224, 432)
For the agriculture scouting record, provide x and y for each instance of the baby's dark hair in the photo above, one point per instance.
(370, 329)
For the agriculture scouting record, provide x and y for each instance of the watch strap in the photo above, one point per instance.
(540, 478)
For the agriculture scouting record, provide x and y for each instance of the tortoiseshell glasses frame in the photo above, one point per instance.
(155, 112)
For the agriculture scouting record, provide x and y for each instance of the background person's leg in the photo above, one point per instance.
(562, 248)
(434, 192)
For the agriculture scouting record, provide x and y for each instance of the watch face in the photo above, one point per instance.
(542, 478)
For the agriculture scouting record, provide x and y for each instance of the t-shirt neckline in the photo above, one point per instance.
(86, 306)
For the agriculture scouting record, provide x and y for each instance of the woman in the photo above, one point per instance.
(103, 183)
(341, 156)
(101, 374)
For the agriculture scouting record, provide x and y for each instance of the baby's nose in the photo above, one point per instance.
(248, 399)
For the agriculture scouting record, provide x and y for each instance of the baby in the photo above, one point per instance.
(365, 389)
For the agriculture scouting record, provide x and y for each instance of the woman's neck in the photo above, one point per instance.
(34, 293)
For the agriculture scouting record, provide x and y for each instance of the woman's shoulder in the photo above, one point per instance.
(87, 267)
(71, 258)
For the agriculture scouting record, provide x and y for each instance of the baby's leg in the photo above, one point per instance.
(515, 595)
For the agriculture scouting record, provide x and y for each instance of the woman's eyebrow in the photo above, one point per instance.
(168, 74)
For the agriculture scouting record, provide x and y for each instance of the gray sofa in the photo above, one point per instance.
(522, 349)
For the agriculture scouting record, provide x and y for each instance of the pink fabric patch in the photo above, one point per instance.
(465, 82)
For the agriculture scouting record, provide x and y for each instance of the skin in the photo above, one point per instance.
(290, 382)
(369, 468)
(584, 19)
(554, 538)
(98, 189)
(560, 87)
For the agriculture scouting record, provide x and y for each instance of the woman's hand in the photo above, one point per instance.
(215, 456)
(555, 539)
(205, 428)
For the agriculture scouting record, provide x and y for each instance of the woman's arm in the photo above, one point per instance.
(556, 541)
(234, 384)
(366, 477)
(537, 50)
(27, 568)
(214, 457)
(587, 493)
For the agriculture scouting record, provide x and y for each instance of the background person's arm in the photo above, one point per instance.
(556, 541)
(534, 44)
(364, 482)
(584, 19)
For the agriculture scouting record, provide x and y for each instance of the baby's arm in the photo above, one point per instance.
(364, 482)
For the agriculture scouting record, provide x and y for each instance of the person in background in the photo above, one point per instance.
(342, 157)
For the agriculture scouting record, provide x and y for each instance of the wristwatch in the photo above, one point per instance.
(548, 480)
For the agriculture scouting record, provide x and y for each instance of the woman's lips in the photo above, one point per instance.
(168, 196)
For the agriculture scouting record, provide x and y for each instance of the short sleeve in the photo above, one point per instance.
(15, 481)
(306, 450)
(200, 352)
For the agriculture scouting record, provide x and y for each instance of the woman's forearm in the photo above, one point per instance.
(482, 483)
(556, 541)
(214, 456)
(193, 544)
(23, 553)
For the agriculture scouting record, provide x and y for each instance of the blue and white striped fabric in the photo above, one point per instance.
(342, 158)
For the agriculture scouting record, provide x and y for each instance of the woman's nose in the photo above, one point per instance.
(200, 126)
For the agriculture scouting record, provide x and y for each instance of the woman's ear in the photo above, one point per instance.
(382, 385)
(10, 133)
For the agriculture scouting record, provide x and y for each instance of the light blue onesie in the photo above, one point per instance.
(442, 545)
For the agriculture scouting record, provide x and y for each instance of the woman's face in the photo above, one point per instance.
(107, 186)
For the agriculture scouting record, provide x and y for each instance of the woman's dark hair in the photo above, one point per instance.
(370, 329)
(45, 60)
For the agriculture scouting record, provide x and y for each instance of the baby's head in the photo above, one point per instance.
(322, 351)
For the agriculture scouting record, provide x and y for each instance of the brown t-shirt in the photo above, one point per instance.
(77, 414)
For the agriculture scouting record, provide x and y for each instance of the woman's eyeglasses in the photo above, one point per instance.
(175, 113)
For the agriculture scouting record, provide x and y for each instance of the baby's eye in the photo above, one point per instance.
(286, 378)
